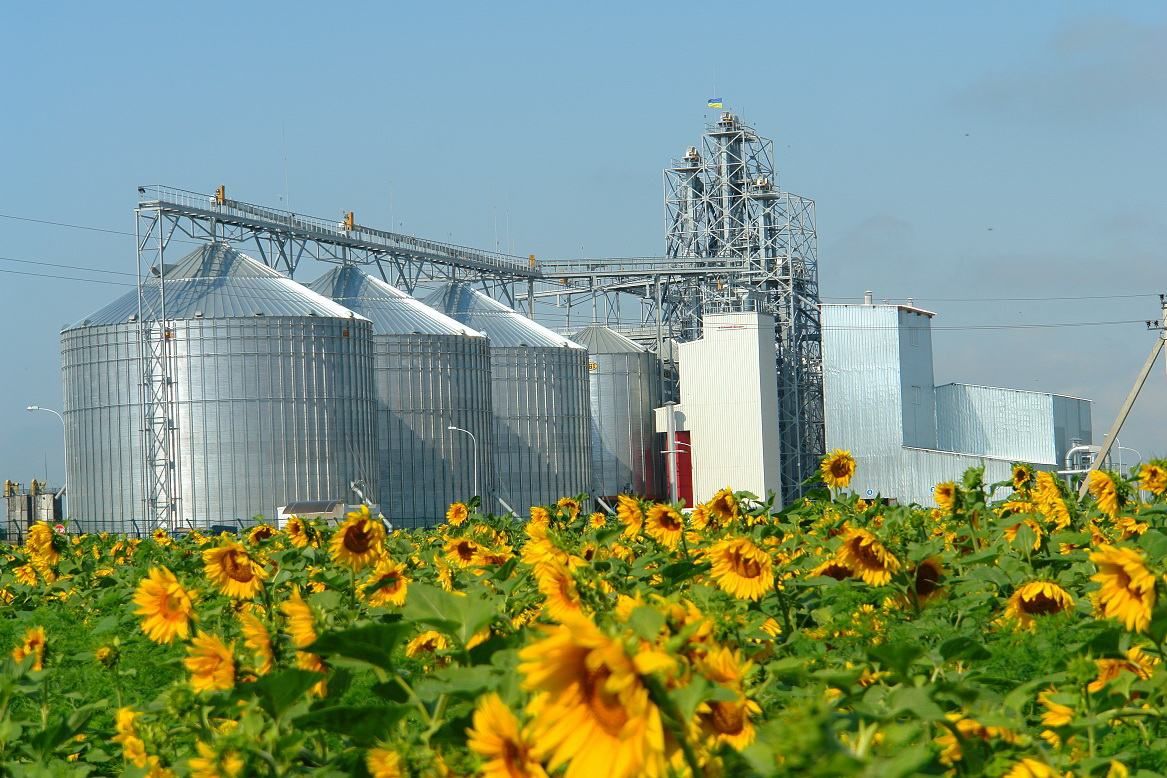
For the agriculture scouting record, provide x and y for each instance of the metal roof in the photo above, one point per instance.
(604, 340)
(391, 310)
(216, 281)
(504, 327)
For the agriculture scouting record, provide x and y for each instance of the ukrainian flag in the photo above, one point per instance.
(714, 102)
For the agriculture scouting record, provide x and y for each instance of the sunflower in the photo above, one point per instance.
(630, 514)
(927, 579)
(298, 532)
(837, 468)
(569, 506)
(165, 606)
(388, 584)
(597, 520)
(1037, 598)
(1105, 493)
(258, 639)
(26, 574)
(1153, 478)
(209, 764)
(42, 544)
(727, 721)
(457, 514)
(359, 541)
(306, 660)
(161, 537)
(1031, 768)
(1128, 588)
(862, 552)
(1048, 496)
(1012, 530)
(832, 568)
(461, 551)
(428, 642)
(664, 525)
(1137, 661)
(233, 570)
(133, 749)
(701, 519)
(498, 739)
(945, 495)
(211, 664)
(741, 568)
(32, 644)
(383, 763)
(1022, 476)
(724, 506)
(260, 533)
(557, 585)
(1056, 714)
(301, 621)
(589, 710)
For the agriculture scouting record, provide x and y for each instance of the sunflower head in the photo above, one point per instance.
(868, 557)
(299, 533)
(945, 495)
(301, 620)
(1101, 485)
(497, 737)
(359, 542)
(1036, 599)
(838, 467)
(165, 606)
(1022, 476)
(740, 568)
(1153, 477)
(31, 645)
(260, 533)
(1127, 590)
(630, 514)
(724, 506)
(457, 514)
(234, 570)
(257, 638)
(569, 507)
(211, 664)
(664, 524)
(387, 585)
(927, 579)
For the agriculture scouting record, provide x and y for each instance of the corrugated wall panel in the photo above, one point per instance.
(1005, 423)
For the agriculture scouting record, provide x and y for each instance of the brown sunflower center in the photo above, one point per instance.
(867, 554)
(389, 582)
(605, 706)
(840, 468)
(670, 522)
(744, 566)
(514, 759)
(237, 566)
(357, 540)
(465, 550)
(727, 718)
(927, 579)
(1040, 605)
(837, 571)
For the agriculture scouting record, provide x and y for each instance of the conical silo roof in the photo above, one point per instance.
(391, 310)
(504, 326)
(603, 340)
(216, 281)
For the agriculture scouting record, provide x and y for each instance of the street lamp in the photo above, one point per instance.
(64, 444)
(452, 428)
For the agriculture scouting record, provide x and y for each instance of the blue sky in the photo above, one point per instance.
(545, 127)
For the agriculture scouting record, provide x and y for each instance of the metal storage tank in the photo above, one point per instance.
(273, 397)
(540, 397)
(625, 388)
(430, 372)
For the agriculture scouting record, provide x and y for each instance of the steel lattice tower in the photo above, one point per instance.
(725, 211)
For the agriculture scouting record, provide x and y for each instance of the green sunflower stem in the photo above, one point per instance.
(672, 719)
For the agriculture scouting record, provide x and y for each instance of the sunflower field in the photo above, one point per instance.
(1021, 636)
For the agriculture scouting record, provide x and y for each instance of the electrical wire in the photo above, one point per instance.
(63, 224)
(64, 278)
(42, 263)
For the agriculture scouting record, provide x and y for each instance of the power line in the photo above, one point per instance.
(64, 278)
(42, 263)
(63, 224)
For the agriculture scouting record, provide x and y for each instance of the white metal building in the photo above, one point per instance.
(729, 405)
(908, 434)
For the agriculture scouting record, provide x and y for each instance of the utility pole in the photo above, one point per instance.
(1159, 325)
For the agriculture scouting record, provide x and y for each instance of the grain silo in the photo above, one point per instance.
(430, 373)
(540, 398)
(271, 397)
(625, 388)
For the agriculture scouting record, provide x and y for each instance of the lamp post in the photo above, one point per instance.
(452, 428)
(64, 445)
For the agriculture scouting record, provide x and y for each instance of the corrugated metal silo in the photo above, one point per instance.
(540, 399)
(273, 397)
(430, 372)
(625, 388)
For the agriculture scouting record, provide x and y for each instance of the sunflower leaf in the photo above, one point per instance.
(278, 692)
(363, 724)
(458, 616)
(370, 644)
